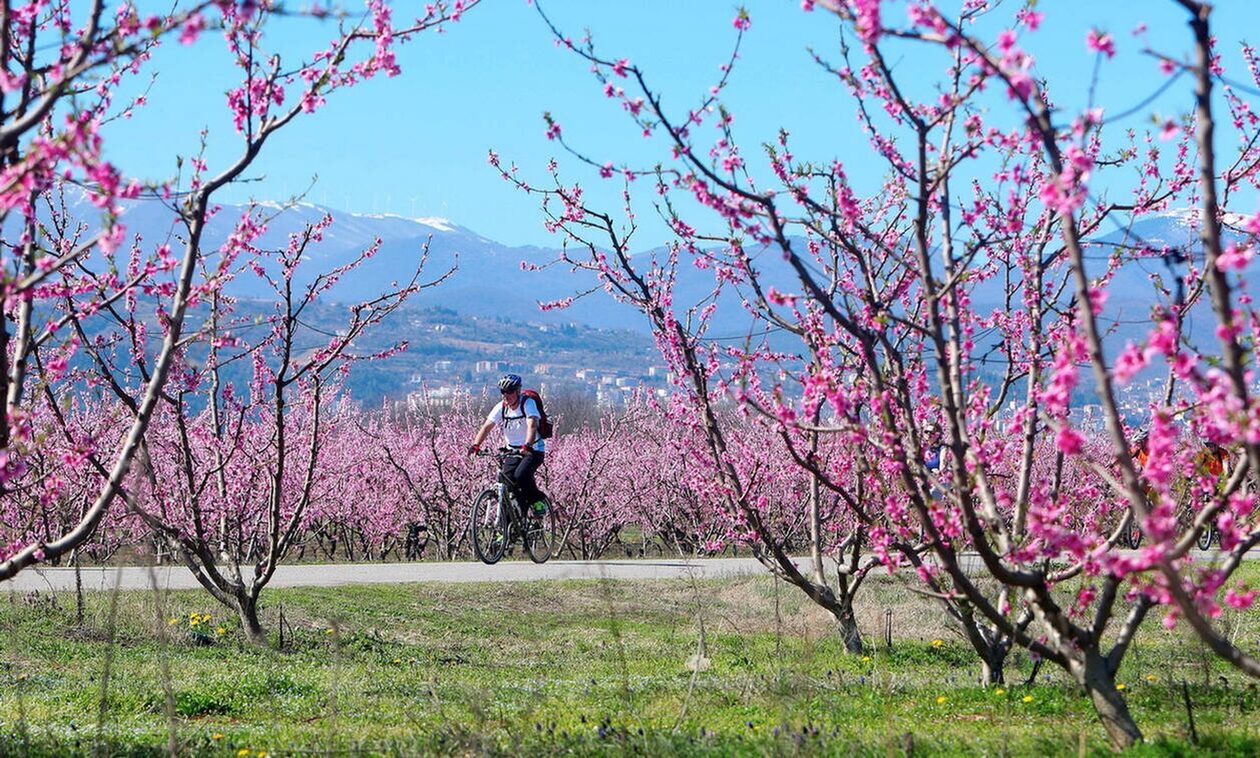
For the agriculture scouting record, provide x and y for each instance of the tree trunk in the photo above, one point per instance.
(849, 631)
(993, 668)
(247, 609)
(1109, 704)
(991, 646)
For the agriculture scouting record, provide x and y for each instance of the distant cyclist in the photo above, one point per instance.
(1140, 450)
(518, 419)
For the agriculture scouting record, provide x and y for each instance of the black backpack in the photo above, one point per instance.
(545, 428)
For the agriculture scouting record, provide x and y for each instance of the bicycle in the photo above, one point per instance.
(1132, 534)
(498, 519)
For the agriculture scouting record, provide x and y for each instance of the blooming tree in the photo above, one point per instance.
(73, 290)
(268, 437)
(978, 237)
(61, 66)
(427, 482)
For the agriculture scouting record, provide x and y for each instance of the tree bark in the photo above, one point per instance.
(1109, 704)
(247, 609)
(993, 668)
(849, 631)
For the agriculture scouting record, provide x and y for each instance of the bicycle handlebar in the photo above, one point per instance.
(502, 452)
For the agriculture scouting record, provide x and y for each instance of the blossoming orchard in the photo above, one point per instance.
(935, 381)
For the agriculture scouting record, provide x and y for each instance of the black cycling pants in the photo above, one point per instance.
(519, 470)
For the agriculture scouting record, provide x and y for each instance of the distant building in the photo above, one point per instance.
(437, 397)
(443, 365)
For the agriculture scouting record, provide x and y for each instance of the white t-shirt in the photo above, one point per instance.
(511, 421)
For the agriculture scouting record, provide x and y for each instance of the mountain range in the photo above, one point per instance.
(489, 283)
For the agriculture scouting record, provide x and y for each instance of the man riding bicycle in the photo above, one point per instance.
(518, 418)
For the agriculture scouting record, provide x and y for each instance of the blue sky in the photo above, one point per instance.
(416, 145)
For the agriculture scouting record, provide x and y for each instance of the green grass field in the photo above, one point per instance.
(590, 668)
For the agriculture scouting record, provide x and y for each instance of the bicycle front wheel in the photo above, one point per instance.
(1206, 536)
(488, 527)
(540, 535)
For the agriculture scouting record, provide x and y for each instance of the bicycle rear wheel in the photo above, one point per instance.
(1132, 532)
(540, 534)
(488, 527)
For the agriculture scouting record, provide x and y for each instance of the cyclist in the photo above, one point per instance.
(518, 418)
(1140, 450)
(933, 447)
(1212, 460)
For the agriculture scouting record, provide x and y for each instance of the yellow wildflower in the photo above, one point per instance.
(243, 751)
(1120, 686)
(216, 736)
(1000, 692)
(1152, 678)
(937, 643)
(220, 631)
(1028, 698)
(940, 700)
(866, 659)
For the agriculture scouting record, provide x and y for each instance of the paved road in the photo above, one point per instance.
(333, 575)
(178, 577)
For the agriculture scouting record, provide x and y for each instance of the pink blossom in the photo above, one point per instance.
(11, 82)
(1100, 43)
(1069, 441)
(1252, 224)
(1164, 338)
(1240, 599)
(192, 29)
(1098, 299)
(1235, 257)
(866, 13)
(1030, 18)
(1169, 130)
(1183, 365)
(1021, 85)
(742, 20)
(1130, 362)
